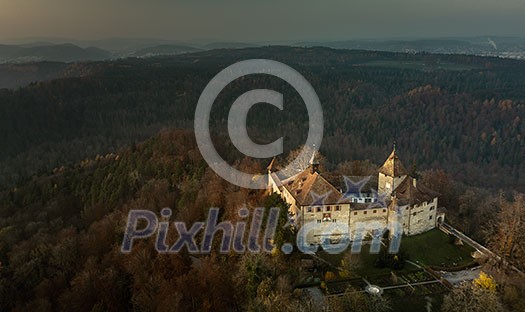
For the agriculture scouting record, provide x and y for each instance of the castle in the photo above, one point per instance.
(393, 199)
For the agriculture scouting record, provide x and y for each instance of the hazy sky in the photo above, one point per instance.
(250, 20)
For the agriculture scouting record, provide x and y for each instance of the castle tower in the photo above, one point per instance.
(391, 174)
(395, 219)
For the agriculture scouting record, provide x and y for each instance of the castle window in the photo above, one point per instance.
(364, 212)
(375, 211)
(368, 200)
(384, 210)
(431, 208)
(430, 218)
(407, 208)
(414, 214)
(337, 208)
(309, 209)
(334, 220)
(355, 213)
(318, 220)
(318, 209)
(328, 208)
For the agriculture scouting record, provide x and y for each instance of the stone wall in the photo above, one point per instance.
(328, 222)
(421, 218)
(373, 218)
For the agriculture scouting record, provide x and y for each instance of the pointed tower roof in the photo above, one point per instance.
(393, 166)
(271, 166)
(314, 160)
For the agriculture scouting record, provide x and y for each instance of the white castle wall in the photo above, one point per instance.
(328, 221)
(421, 218)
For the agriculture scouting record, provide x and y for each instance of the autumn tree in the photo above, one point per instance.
(479, 295)
(508, 236)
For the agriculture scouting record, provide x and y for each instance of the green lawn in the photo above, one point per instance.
(362, 264)
(431, 248)
(434, 248)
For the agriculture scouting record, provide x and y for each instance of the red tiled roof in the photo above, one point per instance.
(306, 187)
(408, 193)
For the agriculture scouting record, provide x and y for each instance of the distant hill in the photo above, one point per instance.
(117, 46)
(22, 74)
(66, 50)
(52, 53)
(229, 45)
(165, 49)
(123, 47)
(485, 46)
(508, 47)
(397, 45)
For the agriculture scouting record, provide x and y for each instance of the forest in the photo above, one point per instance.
(460, 113)
(61, 236)
(78, 154)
